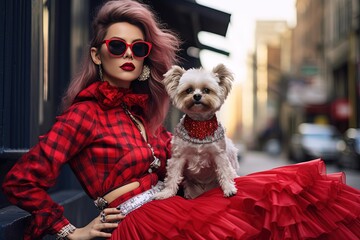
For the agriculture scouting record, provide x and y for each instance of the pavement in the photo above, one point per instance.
(253, 161)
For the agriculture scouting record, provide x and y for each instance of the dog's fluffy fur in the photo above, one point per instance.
(199, 167)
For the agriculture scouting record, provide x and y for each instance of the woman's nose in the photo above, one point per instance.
(128, 53)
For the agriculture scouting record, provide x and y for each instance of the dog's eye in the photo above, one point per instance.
(189, 90)
(206, 90)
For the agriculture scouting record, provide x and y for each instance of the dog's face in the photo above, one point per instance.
(198, 92)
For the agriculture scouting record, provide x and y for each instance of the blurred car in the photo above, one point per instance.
(350, 150)
(273, 147)
(314, 141)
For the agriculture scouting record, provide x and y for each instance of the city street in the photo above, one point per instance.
(259, 161)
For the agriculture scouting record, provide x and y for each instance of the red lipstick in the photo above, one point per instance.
(128, 67)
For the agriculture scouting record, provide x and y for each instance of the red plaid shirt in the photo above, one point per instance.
(103, 147)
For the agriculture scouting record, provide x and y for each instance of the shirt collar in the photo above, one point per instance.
(110, 96)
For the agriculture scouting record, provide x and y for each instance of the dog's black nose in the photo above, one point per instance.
(197, 97)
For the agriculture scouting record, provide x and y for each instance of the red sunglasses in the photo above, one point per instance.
(118, 47)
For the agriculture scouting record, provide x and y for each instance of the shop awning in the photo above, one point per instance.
(188, 18)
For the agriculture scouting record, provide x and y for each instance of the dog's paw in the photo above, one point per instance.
(163, 194)
(230, 192)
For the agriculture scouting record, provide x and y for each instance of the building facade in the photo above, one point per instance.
(308, 73)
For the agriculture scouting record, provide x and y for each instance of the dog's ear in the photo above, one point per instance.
(225, 77)
(172, 78)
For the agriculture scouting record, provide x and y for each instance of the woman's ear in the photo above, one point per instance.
(95, 55)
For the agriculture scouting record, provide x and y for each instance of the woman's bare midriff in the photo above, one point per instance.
(114, 194)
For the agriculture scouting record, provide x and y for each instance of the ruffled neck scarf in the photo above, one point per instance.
(111, 96)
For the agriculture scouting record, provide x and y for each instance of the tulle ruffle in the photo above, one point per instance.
(299, 201)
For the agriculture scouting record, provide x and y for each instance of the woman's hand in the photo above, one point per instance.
(101, 226)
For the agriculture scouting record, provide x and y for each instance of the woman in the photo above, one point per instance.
(117, 91)
(111, 135)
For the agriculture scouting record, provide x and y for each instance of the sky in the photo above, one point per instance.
(239, 38)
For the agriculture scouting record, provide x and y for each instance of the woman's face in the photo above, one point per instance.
(120, 71)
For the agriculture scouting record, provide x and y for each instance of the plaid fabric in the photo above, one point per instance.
(104, 149)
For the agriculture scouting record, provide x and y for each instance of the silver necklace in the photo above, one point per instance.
(156, 163)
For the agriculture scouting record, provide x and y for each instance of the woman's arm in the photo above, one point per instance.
(26, 184)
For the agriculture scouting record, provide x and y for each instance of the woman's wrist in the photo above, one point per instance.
(65, 231)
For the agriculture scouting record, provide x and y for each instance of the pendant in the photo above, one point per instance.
(154, 164)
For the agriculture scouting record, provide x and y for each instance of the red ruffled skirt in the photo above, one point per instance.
(299, 201)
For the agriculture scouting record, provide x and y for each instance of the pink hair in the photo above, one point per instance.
(162, 56)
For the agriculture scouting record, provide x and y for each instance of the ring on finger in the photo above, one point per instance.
(103, 217)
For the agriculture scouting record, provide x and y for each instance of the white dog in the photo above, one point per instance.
(202, 156)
